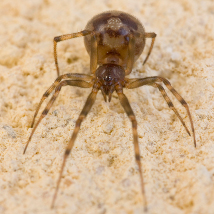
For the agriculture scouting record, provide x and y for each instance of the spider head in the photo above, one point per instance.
(109, 76)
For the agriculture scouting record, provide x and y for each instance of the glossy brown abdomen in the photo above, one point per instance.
(113, 30)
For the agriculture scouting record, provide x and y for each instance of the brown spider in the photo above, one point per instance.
(114, 41)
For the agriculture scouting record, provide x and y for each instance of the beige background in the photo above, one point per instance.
(101, 176)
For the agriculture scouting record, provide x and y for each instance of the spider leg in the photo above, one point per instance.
(170, 104)
(131, 53)
(126, 105)
(93, 54)
(71, 76)
(150, 35)
(89, 103)
(150, 81)
(66, 37)
(78, 83)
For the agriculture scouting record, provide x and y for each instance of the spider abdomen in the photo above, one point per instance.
(113, 30)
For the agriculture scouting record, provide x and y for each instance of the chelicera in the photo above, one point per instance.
(114, 41)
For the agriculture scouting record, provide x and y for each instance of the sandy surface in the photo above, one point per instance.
(101, 176)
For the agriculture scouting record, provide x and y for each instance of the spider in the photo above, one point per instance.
(114, 40)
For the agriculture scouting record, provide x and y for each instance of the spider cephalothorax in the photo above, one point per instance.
(109, 76)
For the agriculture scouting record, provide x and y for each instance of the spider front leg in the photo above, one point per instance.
(66, 37)
(152, 81)
(126, 105)
(78, 83)
(89, 103)
(71, 76)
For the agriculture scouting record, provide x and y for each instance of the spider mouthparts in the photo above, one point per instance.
(109, 97)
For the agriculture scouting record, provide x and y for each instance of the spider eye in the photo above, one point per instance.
(107, 78)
